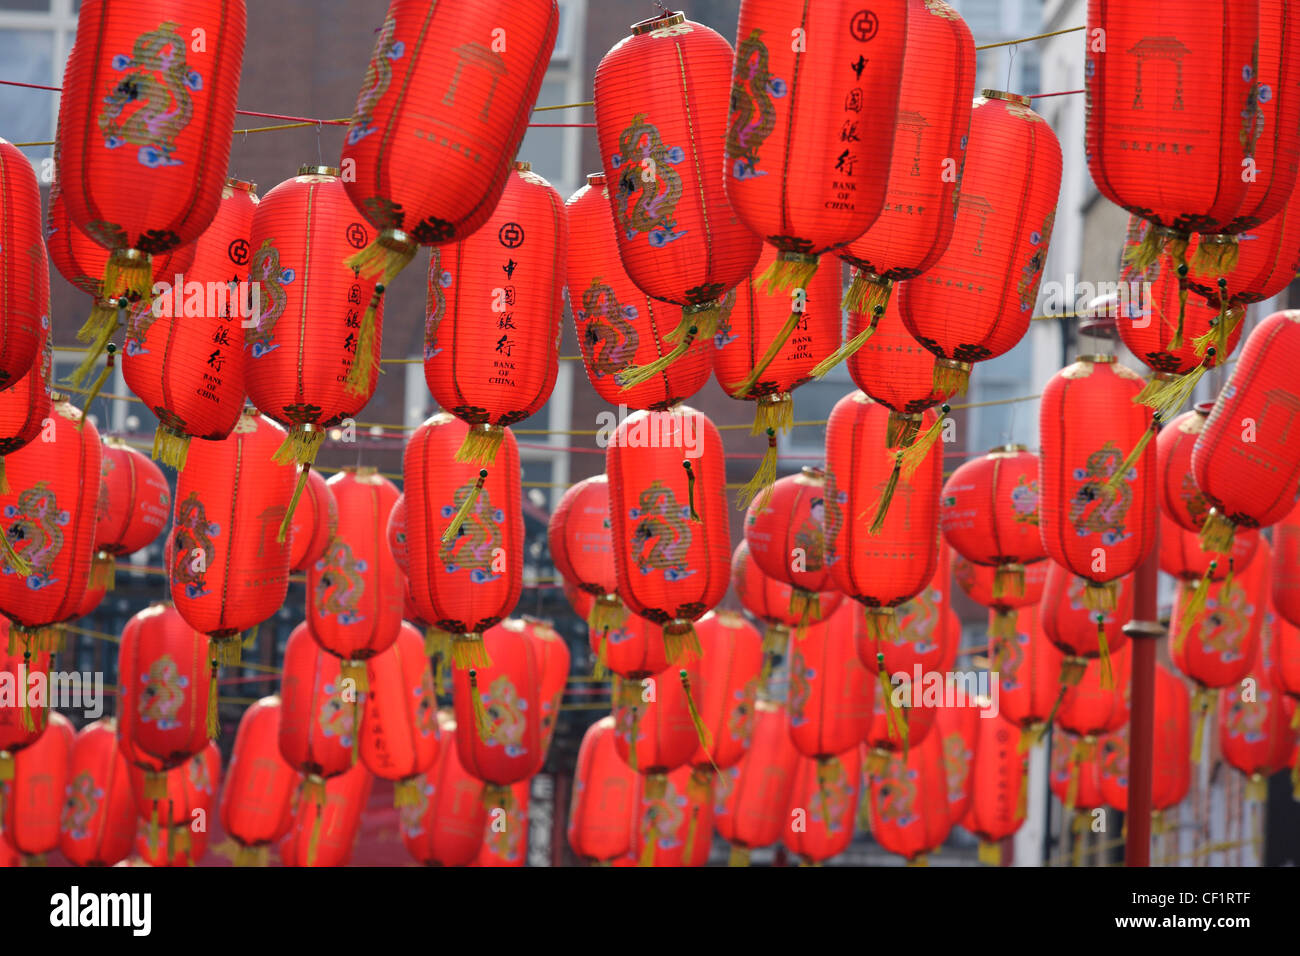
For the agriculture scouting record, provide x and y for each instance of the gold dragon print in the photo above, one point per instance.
(481, 536)
(648, 186)
(153, 102)
(753, 115)
(661, 523)
(35, 530)
(379, 76)
(609, 340)
(1094, 510)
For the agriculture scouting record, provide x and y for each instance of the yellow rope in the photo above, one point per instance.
(1036, 36)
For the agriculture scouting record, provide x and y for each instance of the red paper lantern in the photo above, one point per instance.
(958, 729)
(553, 660)
(446, 826)
(771, 600)
(443, 107)
(32, 798)
(1182, 557)
(1217, 643)
(1180, 499)
(1093, 707)
(823, 804)
(1077, 630)
(325, 831)
(1171, 750)
(25, 406)
(505, 842)
(1257, 736)
(228, 570)
(399, 730)
(675, 827)
(582, 549)
(829, 696)
(668, 504)
(975, 303)
(148, 102)
(492, 334)
(191, 789)
(655, 729)
(785, 534)
(1284, 652)
(49, 525)
(1097, 514)
(184, 355)
(135, 502)
(633, 649)
(909, 802)
(1075, 773)
(1028, 666)
(257, 797)
(319, 715)
(98, 823)
(315, 524)
(23, 721)
(662, 141)
(464, 578)
(618, 326)
(928, 631)
(998, 787)
(604, 799)
(754, 796)
(730, 672)
(24, 270)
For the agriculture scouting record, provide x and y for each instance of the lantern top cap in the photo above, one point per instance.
(1003, 95)
(58, 397)
(1011, 448)
(1097, 359)
(1203, 408)
(523, 166)
(318, 171)
(595, 179)
(656, 23)
(241, 185)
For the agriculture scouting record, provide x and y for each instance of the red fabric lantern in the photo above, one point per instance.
(229, 572)
(754, 796)
(771, 600)
(580, 538)
(399, 730)
(443, 107)
(662, 140)
(135, 503)
(257, 797)
(785, 534)
(445, 828)
(1075, 773)
(928, 631)
(618, 326)
(604, 799)
(1180, 499)
(505, 842)
(1097, 515)
(976, 581)
(24, 719)
(668, 504)
(1182, 557)
(148, 102)
(191, 789)
(98, 824)
(1172, 750)
(909, 802)
(655, 730)
(311, 362)
(324, 832)
(553, 660)
(1077, 630)
(1257, 737)
(803, 186)
(1092, 708)
(829, 696)
(33, 797)
(1028, 666)
(958, 728)
(466, 578)
(492, 334)
(823, 802)
(1285, 652)
(49, 525)
(318, 720)
(975, 303)
(24, 270)
(315, 524)
(184, 356)
(25, 406)
(998, 787)
(730, 671)
(675, 827)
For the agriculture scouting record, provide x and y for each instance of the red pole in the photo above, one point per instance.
(1144, 630)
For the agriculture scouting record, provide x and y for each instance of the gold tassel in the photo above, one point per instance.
(103, 571)
(153, 827)
(214, 725)
(468, 650)
(16, 562)
(647, 857)
(1203, 701)
(1072, 671)
(1072, 790)
(919, 860)
(901, 430)
(600, 669)
(1217, 533)
(1295, 777)
(680, 638)
(481, 444)
(1143, 255)
(1194, 608)
(1166, 394)
(917, 452)
(882, 506)
(1103, 652)
(98, 387)
(1220, 332)
(850, 348)
(364, 365)
(690, 834)
(390, 252)
(6, 766)
(1010, 576)
(950, 377)
(703, 316)
(763, 478)
(170, 447)
(656, 786)
(607, 613)
(1216, 254)
(465, 508)
(1029, 737)
(804, 607)
(313, 790)
(742, 388)
(4, 478)
(829, 772)
(1116, 480)
(480, 712)
(227, 647)
(356, 672)
(301, 446)
(990, 854)
(1177, 247)
(1022, 793)
(313, 841)
(1100, 597)
(739, 856)
(789, 270)
(1257, 788)
(437, 642)
(406, 793)
(634, 375)
(28, 723)
(1003, 626)
(701, 731)
(250, 856)
(690, 491)
(155, 785)
(773, 412)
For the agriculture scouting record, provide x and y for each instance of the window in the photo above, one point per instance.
(1005, 377)
(35, 37)
(555, 151)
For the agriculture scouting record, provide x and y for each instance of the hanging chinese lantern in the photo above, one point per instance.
(901, 718)
(756, 802)
(32, 808)
(975, 303)
(771, 600)
(449, 100)
(24, 270)
(319, 715)
(582, 549)
(324, 831)
(1180, 499)
(1181, 555)
(998, 787)
(762, 361)
(165, 682)
(618, 326)
(976, 581)
(49, 516)
(1029, 668)
(1078, 631)
(492, 336)
(465, 576)
(1097, 513)
(355, 605)
(23, 721)
(671, 534)
(399, 730)
(662, 141)
(228, 570)
(136, 503)
(1242, 460)
(1074, 776)
(1284, 652)
(1286, 559)
(958, 729)
(924, 184)
(1171, 750)
(1090, 708)
(729, 673)
(822, 808)
(191, 789)
(315, 524)
(674, 827)
(656, 721)
(25, 406)
(828, 700)
(1190, 180)
(604, 799)
(505, 839)
(1256, 732)
(99, 822)
(184, 355)
(909, 802)
(928, 631)
(446, 826)
(310, 366)
(181, 847)
(553, 662)
(787, 542)
(257, 797)
(160, 79)
(634, 649)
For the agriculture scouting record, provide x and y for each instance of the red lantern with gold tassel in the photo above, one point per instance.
(464, 534)
(930, 138)
(32, 804)
(754, 796)
(975, 303)
(399, 729)
(958, 728)
(655, 720)
(309, 366)
(1074, 777)
(633, 649)
(492, 335)
(315, 524)
(189, 796)
(1180, 499)
(553, 661)
(319, 715)
(662, 141)
(909, 802)
(22, 721)
(24, 270)
(228, 571)
(928, 630)
(618, 326)
(828, 699)
(580, 538)
(729, 673)
(443, 107)
(900, 718)
(668, 505)
(1097, 515)
(1172, 749)
(1181, 555)
(99, 821)
(1079, 632)
(823, 806)
(48, 521)
(136, 502)
(604, 802)
(1029, 667)
(505, 840)
(256, 804)
(1257, 733)
(771, 600)
(324, 831)
(976, 581)
(148, 103)
(25, 406)
(184, 355)
(1091, 708)
(674, 826)
(445, 827)
(998, 787)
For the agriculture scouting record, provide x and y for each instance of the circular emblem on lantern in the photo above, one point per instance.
(511, 235)
(357, 236)
(864, 25)
(238, 252)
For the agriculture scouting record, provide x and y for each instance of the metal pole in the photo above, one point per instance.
(1143, 631)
